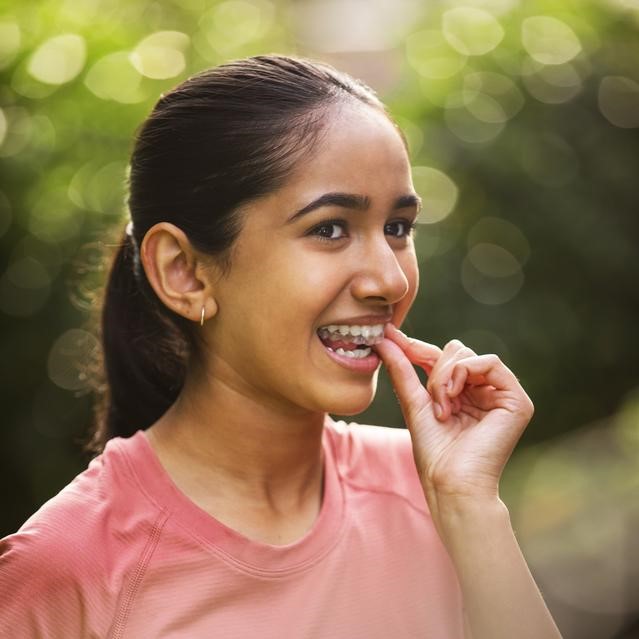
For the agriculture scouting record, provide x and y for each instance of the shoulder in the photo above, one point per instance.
(70, 559)
(93, 511)
(376, 458)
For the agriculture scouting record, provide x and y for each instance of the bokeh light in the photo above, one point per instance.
(160, 55)
(471, 31)
(114, 77)
(490, 274)
(10, 38)
(551, 84)
(619, 101)
(18, 130)
(497, 90)
(474, 117)
(233, 24)
(438, 193)
(549, 40)
(58, 60)
(68, 359)
(429, 53)
(500, 232)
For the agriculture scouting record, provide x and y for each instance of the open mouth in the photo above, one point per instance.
(352, 341)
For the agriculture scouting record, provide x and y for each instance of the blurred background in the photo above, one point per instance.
(523, 124)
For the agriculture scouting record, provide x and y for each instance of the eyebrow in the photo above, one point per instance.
(354, 202)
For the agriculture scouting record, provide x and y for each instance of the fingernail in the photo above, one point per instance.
(438, 410)
(449, 386)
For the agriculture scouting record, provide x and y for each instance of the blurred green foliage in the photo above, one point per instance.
(523, 123)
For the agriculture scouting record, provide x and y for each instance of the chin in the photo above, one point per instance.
(350, 403)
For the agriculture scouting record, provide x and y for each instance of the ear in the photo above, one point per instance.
(177, 272)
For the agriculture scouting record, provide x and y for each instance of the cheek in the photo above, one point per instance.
(308, 277)
(284, 295)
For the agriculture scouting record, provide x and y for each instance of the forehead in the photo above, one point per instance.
(358, 151)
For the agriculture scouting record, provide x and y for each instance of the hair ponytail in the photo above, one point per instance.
(222, 138)
(144, 353)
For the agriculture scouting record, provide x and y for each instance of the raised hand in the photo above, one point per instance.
(465, 423)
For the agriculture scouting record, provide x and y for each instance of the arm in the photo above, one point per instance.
(501, 598)
(464, 426)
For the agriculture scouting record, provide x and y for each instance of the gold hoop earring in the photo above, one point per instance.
(202, 316)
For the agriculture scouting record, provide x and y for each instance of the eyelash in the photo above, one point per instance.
(410, 227)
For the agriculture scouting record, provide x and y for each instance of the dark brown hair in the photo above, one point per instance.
(220, 139)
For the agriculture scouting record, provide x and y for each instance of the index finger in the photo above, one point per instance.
(418, 352)
(408, 387)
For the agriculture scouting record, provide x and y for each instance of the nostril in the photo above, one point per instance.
(377, 298)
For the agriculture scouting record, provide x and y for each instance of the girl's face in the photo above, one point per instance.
(299, 265)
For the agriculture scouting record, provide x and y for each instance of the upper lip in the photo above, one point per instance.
(361, 320)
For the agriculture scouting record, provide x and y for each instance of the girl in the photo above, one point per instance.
(259, 286)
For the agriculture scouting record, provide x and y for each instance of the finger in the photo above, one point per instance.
(410, 391)
(489, 370)
(461, 379)
(420, 353)
(481, 397)
(442, 374)
(483, 369)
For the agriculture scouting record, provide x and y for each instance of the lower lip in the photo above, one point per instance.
(366, 364)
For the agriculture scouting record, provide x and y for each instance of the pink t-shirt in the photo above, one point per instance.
(122, 553)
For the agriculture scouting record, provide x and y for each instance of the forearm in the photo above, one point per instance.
(501, 598)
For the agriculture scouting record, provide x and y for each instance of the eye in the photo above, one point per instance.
(331, 230)
(400, 228)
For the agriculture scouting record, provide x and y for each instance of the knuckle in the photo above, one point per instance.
(527, 407)
(459, 349)
(530, 406)
(492, 359)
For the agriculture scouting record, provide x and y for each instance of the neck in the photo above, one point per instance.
(218, 442)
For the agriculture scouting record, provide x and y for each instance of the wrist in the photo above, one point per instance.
(460, 518)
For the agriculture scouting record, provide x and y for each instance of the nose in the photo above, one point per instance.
(380, 277)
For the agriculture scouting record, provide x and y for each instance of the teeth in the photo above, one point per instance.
(359, 334)
(357, 354)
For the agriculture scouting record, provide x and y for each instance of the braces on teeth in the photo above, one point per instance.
(359, 335)
(356, 334)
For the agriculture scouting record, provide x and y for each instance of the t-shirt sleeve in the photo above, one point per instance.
(41, 597)
(55, 574)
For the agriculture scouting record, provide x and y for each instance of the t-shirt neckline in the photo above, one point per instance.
(244, 553)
